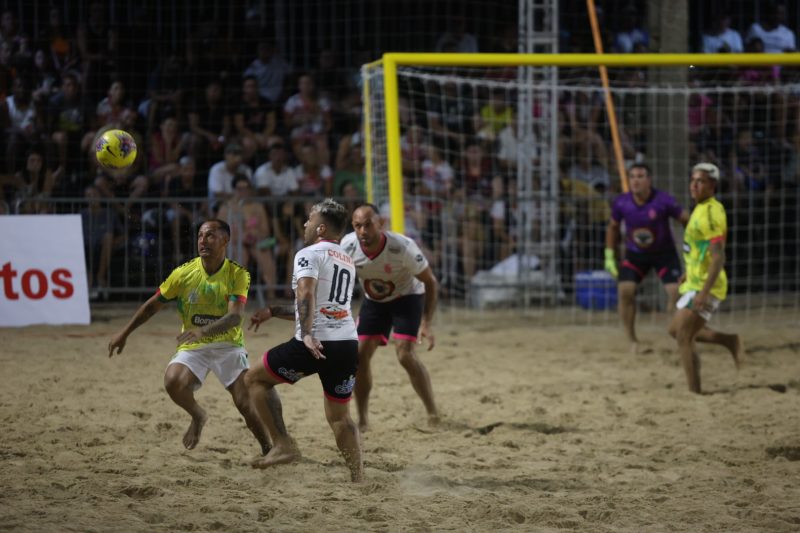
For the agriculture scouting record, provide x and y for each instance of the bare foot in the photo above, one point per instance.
(192, 435)
(363, 425)
(736, 348)
(641, 347)
(278, 455)
(434, 420)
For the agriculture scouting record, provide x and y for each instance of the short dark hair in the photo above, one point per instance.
(239, 177)
(221, 224)
(333, 214)
(643, 166)
(370, 205)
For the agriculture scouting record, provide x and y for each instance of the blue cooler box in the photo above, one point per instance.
(596, 289)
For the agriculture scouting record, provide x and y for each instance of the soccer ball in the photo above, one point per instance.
(115, 149)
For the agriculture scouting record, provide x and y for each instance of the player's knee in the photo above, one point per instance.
(341, 423)
(406, 354)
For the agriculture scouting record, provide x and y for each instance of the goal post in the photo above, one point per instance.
(391, 61)
(525, 228)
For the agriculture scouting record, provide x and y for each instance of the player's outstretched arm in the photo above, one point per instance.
(285, 312)
(152, 306)
(431, 299)
(306, 307)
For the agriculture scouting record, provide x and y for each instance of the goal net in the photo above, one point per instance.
(504, 174)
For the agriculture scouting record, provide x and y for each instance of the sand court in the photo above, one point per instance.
(545, 428)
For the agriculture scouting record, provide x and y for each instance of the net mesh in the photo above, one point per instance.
(468, 140)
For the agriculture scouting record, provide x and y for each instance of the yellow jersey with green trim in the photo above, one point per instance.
(708, 224)
(202, 299)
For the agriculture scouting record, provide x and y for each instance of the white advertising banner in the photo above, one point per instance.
(42, 270)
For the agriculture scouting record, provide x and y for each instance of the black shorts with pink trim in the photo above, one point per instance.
(635, 266)
(401, 317)
(291, 361)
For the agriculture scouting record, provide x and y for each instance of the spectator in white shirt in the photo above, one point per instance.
(776, 37)
(275, 177)
(630, 35)
(220, 176)
(721, 38)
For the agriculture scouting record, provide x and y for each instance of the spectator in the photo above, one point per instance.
(167, 145)
(456, 39)
(494, 116)
(474, 194)
(255, 120)
(165, 91)
(276, 177)
(100, 227)
(270, 71)
(34, 184)
(309, 118)
(20, 122)
(97, 44)
(748, 163)
(350, 165)
(313, 174)
(9, 30)
(413, 151)
(210, 124)
(183, 215)
(66, 120)
(251, 235)
(7, 69)
(630, 34)
(57, 40)
(776, 37)
(220, 177)
(45, 78)
(436, 187)
(721, 37)
(450, 116)
(586, 169)
(510, 149)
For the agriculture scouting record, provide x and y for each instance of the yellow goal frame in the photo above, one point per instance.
(391, 61)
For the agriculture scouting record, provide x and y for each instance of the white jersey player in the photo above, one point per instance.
(325, 341)
(400, 291)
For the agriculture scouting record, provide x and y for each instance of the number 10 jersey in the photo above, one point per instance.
(333, 269)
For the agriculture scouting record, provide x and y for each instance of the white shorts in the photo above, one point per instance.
(686, 299)
(225, 360)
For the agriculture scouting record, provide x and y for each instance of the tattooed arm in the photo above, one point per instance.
(230, 320)
(306, 308)
(152, 306)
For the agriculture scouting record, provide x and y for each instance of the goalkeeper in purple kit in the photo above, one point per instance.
(645, 213)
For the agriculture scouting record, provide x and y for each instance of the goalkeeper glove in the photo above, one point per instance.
(611, 262)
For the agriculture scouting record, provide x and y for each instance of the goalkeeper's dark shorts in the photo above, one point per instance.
(636, 265)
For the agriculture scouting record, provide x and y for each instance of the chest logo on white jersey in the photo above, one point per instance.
(378, 289)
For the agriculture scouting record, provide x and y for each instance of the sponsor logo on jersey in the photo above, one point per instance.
(378, 289)
(346, 386)
(302, 262)
(334, 313)
(419, 258)
(203, 320)
(643, 237)
(395, 249)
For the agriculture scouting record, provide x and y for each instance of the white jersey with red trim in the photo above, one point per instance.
(333, 269)
(391, 272)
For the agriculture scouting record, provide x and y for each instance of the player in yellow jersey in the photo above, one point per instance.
(705, 283)
(210, 292)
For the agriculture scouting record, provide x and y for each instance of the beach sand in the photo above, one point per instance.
(545, 429)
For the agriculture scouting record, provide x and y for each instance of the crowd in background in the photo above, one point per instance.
(232, 123)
